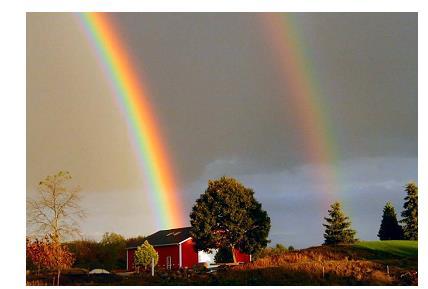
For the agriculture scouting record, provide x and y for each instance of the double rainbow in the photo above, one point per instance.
(304, 96)
(133, 97)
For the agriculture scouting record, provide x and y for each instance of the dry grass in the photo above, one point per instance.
(314, 266)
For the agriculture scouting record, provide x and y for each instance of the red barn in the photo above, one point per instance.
(176, 249)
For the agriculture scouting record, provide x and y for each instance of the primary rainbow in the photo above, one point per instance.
(132, 96)
(311, 112)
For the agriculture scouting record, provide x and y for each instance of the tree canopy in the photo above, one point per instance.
(228, 215)
(49, 254)
(56, 210)
(113, 250)
(338, 226)
(144, 255)
(389, 227)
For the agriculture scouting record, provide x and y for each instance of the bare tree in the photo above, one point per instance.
(56, 209)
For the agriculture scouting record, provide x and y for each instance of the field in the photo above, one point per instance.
(365, 263)
(383, 249)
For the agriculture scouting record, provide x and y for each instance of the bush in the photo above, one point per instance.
(89, 254)
(279, 249)
(200, 267)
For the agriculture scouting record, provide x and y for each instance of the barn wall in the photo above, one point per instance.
(165, 251)
(189, 254)
(242, 257)
(130, 253)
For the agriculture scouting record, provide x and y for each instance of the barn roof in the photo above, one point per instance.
(165, 237)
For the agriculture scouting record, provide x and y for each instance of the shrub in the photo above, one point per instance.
(279, 249)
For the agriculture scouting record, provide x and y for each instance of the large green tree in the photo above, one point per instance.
(338, 227)
(389, 227)
(227, 215)
(410, 212)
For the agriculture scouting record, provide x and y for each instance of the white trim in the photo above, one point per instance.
(185, 240)
(127, 252)
(161, 245)
(135, 247)
(250, 257)
(180, 258)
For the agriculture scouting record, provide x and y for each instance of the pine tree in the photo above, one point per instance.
(410, 213)
(389, 227)
(338, 227)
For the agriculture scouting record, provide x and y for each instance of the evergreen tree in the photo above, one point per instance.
(338, 227)
(410, 213)
(389, 227)
(227, 215)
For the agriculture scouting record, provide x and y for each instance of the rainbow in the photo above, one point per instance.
(304, 96)
(133, 98)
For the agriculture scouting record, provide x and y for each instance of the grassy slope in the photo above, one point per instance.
(363, 263)
(388, 249)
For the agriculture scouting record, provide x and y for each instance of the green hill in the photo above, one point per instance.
(388, 249)
(363, 263)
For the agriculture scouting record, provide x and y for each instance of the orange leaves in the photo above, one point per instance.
(49, 254)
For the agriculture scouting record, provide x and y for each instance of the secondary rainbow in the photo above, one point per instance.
(132, 96)
(303, 94)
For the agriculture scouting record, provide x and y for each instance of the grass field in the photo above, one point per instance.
(387, 249)
(363, 263)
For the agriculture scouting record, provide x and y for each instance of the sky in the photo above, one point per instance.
(224, 109)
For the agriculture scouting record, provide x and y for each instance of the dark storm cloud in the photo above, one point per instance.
(225, 110)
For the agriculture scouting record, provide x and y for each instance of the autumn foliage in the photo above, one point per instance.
(49, 255)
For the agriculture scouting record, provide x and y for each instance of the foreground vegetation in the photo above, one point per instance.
(364, 263)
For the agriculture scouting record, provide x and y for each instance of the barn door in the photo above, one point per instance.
(168, 262)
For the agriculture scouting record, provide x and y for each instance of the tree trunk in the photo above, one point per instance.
(57, 281)
(233, 253)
